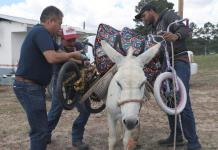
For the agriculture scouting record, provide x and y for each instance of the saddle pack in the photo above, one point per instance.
(121, 41)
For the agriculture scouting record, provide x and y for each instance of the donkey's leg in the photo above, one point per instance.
(120, 130)
(112, 132)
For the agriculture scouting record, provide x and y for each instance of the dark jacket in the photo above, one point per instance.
(166, 17)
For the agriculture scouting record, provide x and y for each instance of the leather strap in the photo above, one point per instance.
(19, 78)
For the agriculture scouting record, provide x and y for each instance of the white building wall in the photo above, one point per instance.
(5, 44)
(10, 46)
(17, 39)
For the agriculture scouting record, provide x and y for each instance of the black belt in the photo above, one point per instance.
(19, 78)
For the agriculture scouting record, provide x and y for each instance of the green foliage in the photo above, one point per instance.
(204, 40)
(209, 62)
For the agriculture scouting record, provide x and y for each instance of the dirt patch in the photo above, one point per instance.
(154, 126)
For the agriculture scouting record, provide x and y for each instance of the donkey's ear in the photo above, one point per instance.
(111, 52)
(146, 57)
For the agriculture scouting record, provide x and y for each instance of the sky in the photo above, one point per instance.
(117, 13)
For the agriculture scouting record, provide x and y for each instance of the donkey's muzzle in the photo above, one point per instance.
(130, 123)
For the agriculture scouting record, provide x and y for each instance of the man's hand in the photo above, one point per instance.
(86, 63)
(76, 55)
(168, 36)
(84, 57)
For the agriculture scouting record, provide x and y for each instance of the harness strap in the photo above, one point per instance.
(130, 101)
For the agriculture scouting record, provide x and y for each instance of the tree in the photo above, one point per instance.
(208, 31)
(195, 30)
(216, 32)
(204, 39)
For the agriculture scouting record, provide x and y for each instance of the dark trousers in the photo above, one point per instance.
(56, 110)
(32, 98)
(187, 117)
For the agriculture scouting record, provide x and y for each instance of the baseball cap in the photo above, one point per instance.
(69, 33)
(145, 8)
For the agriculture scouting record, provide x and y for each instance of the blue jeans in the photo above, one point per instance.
(32, 98)
(187, 117)
(56, 110)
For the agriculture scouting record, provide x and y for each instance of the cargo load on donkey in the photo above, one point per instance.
(97, 89)
(121, 41)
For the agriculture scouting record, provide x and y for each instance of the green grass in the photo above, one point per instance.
(207, 63)
(207, 71)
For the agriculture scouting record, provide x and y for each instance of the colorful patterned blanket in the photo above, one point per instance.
(121, 41)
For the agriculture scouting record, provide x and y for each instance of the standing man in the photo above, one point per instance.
(178, 33)
(35, 70)
(69, 44)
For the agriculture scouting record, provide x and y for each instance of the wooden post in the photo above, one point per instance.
(84, 25)
(180, 8)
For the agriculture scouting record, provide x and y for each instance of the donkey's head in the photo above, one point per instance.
(129, 81)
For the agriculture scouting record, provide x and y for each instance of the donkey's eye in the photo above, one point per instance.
(118, 83)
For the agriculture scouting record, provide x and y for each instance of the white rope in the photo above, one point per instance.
(175, 85)
(180, 123)
(174, 95)
(175, 88)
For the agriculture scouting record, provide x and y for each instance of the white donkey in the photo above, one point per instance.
(126, 92)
